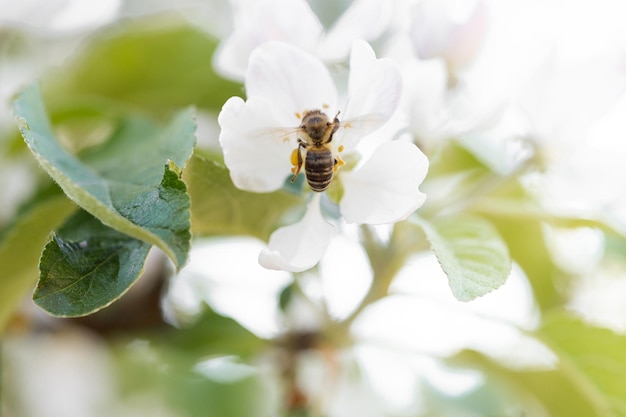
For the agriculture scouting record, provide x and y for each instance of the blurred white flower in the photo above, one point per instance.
(577, 251)
(241, 290)
(57, 17)
(294, 22)
(259, 138)
(42, 33)
(438, 103)
(575, 120)
(598, 297)
(448, 325)
(556, 80)
(452, 30)
(49, 369)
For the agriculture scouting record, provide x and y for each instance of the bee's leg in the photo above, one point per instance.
(335, 125)
(296, 160)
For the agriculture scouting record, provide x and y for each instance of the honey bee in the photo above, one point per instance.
(314, 138)
(316, 134)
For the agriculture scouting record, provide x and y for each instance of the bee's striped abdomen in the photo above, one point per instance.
(319, 167)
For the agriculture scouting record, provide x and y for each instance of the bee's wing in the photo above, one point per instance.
(365, 124)
(284, 134)
(356, 128)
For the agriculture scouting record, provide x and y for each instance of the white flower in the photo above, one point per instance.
(58, 17)
(451, 29)
(293, 21)
(437, 109)
(259, 137)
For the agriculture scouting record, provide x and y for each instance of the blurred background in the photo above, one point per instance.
(519, 106)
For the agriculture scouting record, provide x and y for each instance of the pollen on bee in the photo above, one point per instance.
(294, 159)
(338, 162)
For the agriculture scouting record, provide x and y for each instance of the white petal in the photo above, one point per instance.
(364, 19)
(257, 155)
(385, 188)
(346, 276)
(232, 55)
(374, 90)
(291, 79)
(58, 16)
(262, 21)
(300, 246)
(449, 29)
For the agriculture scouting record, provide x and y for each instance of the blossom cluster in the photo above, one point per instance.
(420, 73)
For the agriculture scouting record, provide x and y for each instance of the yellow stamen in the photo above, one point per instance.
(338, 164)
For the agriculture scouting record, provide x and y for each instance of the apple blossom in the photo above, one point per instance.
(452, 29)
(58, 17)
(574, 118)
(259, 136)
(293, 21)
(436, 109)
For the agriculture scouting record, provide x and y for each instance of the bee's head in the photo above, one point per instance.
(315, 124)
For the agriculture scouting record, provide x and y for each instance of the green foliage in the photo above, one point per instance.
(157, 65)
(122, 183)
(538, 392)
(593, 358)
(586, 378)
(471, 253)
(173, 368)
(20, 248)
(524, 238)
(87, 266)
(488, 399)
(219, 208)
(212, 334)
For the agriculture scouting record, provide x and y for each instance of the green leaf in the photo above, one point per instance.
(488, 398)
(286, 296)
(525, 240)
(593, 358)
(452, 157)
(20, 248)
(222, 387)
(121, 182)
(219, 208)
(539, 392)
(86, 267)
(172, 365)
(471, 253)
(156, 64)
(213, 334)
